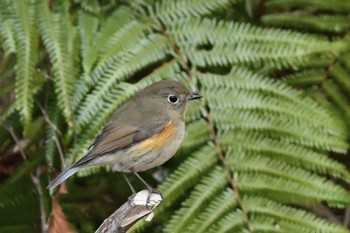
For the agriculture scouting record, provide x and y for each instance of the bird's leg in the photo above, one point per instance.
(150, 189)
(143, 181)
(130, 185)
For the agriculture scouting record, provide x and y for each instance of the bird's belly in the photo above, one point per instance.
(138, 158)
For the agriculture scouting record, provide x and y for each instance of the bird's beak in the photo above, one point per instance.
(194, 96)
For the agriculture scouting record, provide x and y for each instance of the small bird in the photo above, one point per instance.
(143, 133)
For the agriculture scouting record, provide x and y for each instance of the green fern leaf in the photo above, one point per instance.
(204, 191)
(59, 35)
(336, 5)
(7, 34)
(166, 10)
(322, 23)
(26, 40)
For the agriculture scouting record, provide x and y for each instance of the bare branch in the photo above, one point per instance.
(35, 179)
(60, 152)
(19, 145)
(130, 212)
(57, 133)
(47, 119)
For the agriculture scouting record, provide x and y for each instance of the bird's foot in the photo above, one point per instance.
(150, 192)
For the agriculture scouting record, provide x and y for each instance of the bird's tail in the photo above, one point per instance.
(62, 177)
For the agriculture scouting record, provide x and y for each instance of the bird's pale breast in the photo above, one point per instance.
(151, 152)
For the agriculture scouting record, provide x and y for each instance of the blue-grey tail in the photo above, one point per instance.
(62, 177)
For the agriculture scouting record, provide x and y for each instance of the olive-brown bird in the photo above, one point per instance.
(143, 133)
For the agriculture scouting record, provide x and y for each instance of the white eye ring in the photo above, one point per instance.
(173, 99)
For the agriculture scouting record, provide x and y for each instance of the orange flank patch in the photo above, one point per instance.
(158, 140)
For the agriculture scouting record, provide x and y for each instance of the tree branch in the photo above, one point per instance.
(138, 206)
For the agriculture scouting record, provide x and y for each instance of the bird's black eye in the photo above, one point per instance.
(173, 99)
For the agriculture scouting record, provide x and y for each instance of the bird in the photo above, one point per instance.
(143, 133)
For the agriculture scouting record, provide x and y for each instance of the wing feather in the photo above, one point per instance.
(114, 137)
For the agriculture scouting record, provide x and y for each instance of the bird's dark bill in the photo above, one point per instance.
(195, 96)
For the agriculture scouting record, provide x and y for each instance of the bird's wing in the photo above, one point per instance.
(115, 137)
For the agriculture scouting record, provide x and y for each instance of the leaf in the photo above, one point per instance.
(59, 37)
(26, 40)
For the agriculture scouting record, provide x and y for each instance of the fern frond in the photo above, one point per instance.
(341, 76)
(93, 38)
(7, 90)
(174, 10)
(177, 183)
(16, 193)
(265, 215)
(231, 222)
(237, 124)
(88, 28)
(320, 23)
(7, 37)
(195, 31)
(113, 42)
(338, 97)
(306, 78)
(243, 82)
(286, 219)
(213, 212)
(97, 7)
(59, 35)
(26, 40)
(234, 136)
(283, 152)
(197, 135)
(29, 214)
(208, 187)
(7, 114)
(126, 34)
(274, 123)
(278, 180)
(52, 131)
(336, 5)
(206, 43)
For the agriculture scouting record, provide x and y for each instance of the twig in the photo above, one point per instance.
(10, 130)
(60, 152)
(131, 212)
(37, 184)
(47, 119)
(57, 133)
(36, 181)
